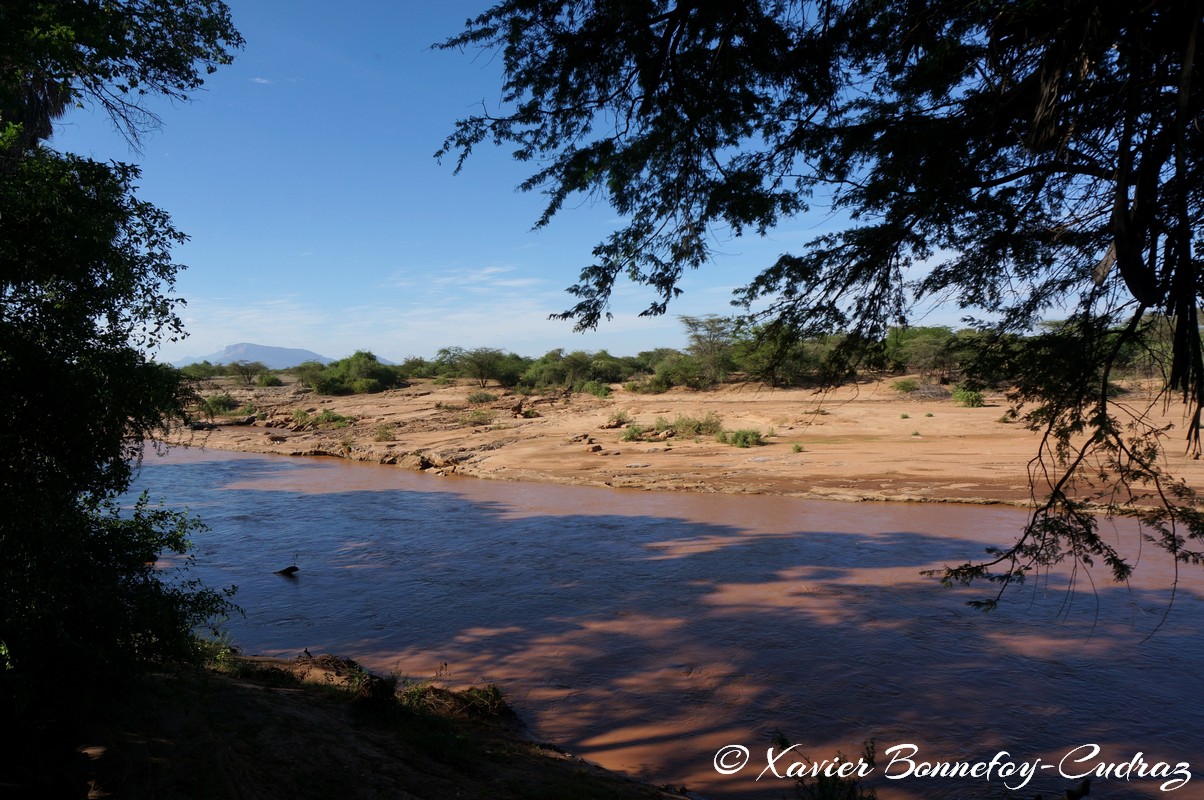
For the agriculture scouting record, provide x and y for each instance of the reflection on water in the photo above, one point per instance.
(647, 631)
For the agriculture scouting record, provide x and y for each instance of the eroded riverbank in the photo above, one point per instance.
(863, 442)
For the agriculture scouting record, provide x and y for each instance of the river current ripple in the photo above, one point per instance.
(648, 631)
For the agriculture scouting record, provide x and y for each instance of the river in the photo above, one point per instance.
(648, 631)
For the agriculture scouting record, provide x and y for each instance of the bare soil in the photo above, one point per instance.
(320, 728)
(861, 442)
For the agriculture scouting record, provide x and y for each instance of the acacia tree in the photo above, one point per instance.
(1011, 158)
(711, 340)
(85, 292)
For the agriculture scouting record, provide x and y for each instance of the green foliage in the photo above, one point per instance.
(267, 379)
(968, 398)
(905, 415)
(87, 289)
(620, 418)
(745, 437)
(578, 369)
(218, 404)
(359, 373)
(301, 417)
(329, 419)
(477, 416)
(365, 386)
(484, 364)
(634, 433)
(1003, 158)
(476, 398)
(711, 343)
(796, 448)
(247, 371)
(710, 424)
(202, 371)
(386, 432)
(595, 388)
(906, 386)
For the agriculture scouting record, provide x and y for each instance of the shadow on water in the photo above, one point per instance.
(646, 640)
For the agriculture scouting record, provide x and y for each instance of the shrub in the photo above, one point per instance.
(905, 415)
(645, 386)
(216, 404)
(478, 417)
(266, 379)
(906, 386)
(329, 419)
(386, 432)
(481, 397)
(301, 417)
(366, 386)
(796, 448)
(619, 419)
(595, 388)
(709, 425)
(634, 433)
(745, 437)
(968, 398)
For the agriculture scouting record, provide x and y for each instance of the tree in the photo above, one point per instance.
(482, 364)
(85, 292)
(711, 340)
(246, 371)
(1008, 157)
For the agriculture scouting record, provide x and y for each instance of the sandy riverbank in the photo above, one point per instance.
(861, 442)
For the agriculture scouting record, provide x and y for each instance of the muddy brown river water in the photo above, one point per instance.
(666, 635)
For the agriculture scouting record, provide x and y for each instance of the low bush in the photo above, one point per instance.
(906, 386)
(596, 388)
(477, 417)
(266, 379)
(709, 425)
(633, 433)
(216, 404)
(329, 419)
(745, 437)
(481, 397)
(968, 398)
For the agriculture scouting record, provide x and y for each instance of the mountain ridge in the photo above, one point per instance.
(272, 357)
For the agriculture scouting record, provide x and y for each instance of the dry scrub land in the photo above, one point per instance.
(861, 442)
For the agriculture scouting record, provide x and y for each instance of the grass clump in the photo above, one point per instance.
(329, 419)
(709, 425)
(906, 386)
(596, 388)
(634, 433)
(797, 448)
(217, 404)
(745, 437)
(477, 417)
(477, 398)
(386, 432)
(905, 415)
(968, 398)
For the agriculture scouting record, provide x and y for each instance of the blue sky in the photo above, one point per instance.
(319, 218)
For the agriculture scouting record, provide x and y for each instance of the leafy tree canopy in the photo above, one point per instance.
(1016, 159)
(114, 53)
(86, 280)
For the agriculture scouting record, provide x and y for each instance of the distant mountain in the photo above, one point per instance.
(272, 357)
